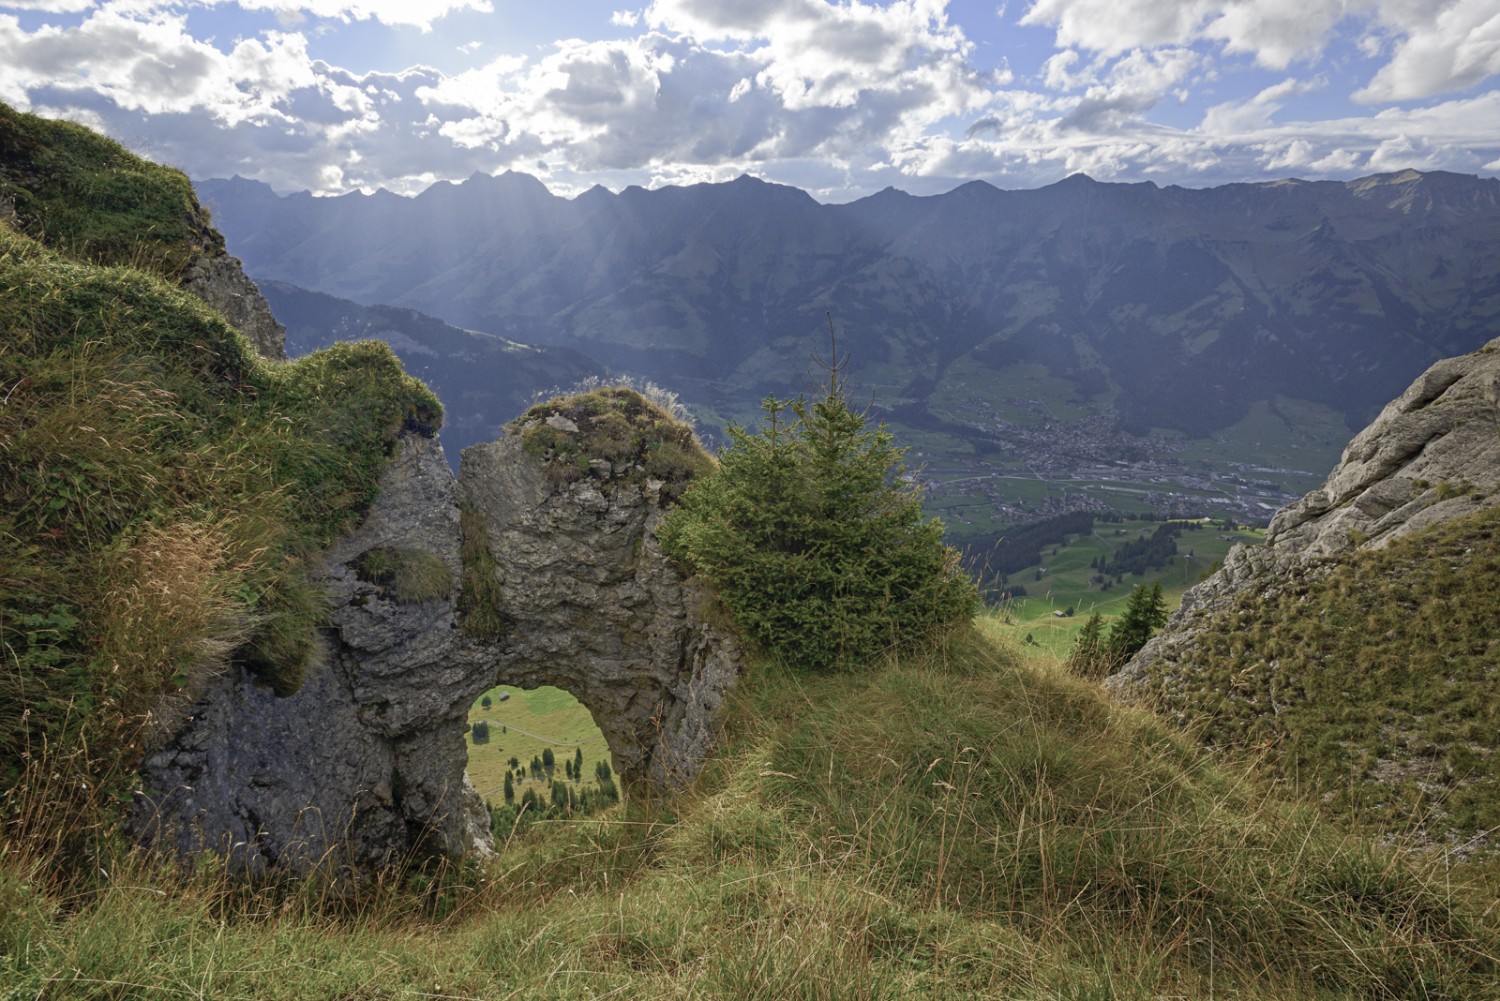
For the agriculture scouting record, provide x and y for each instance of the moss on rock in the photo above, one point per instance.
(615, 435)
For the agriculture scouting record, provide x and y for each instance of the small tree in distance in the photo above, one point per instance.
(815, 540)
(1145, 613)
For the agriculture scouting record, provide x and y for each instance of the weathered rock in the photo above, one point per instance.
(220, 281)
(598, 610)
(1432, 454)
(366, 762)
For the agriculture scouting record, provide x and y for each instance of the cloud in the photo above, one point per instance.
(1458, 47)
(1250, 114)
(52, 6)
(841, 97)
(153, 66)
(394, 12)
(1434, 46)
(1135, 84)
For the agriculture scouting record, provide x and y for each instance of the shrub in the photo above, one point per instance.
(815, 541)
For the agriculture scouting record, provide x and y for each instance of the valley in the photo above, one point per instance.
(1121, 347)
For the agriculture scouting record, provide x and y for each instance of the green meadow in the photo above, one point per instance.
(524, 723)
(1062, 581)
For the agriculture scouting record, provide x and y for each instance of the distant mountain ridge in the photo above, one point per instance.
(483, 380)
(1187, 304)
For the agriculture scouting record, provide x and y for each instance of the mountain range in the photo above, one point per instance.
(1011, 333)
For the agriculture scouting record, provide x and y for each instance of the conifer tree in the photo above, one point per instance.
(815, 540)
(1145, 612)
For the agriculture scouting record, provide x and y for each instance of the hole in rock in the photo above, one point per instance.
(537, 754)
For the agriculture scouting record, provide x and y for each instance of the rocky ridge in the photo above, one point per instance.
(1432, 455)
(220, 281)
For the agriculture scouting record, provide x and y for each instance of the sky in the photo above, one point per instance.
(839, 98)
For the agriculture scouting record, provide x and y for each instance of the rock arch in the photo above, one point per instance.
(365, 763)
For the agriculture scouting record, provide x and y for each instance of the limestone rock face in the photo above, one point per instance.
(598, 610)
(1432, 454)
(220, 281)
(365, 763)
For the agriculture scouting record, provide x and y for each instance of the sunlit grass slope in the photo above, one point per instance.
(956, 826)
(87, 197)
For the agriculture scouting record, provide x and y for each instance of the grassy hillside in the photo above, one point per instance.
(1372, 681)
(85, 196)
(162, 488)
(1065, 579)
(521, 726)
(955, 826)
(962, 823)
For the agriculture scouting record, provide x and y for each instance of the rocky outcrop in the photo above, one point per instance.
(220, 281)
(1432, 454)
(595, 607)
(366, 761)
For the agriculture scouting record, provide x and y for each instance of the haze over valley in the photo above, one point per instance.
(1080, 346)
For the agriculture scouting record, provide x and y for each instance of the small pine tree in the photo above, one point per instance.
(549, 761)
(578, 764)
(815, 540)
(480, 732)
(568, 768)
(486, 702)
(1145, 612)
(510, 789)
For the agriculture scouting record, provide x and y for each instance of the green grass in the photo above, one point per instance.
(163, 493)
(85, 196)
(1066, 582)
(952, 826)
(525, 724)
(1372, 682)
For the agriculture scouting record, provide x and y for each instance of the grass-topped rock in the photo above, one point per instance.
(614, 435)
(91, 200)
(163, 493)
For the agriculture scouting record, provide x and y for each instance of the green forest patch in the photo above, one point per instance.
(1064, 580)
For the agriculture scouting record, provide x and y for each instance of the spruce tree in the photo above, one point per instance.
(1145, 612)
(815, 540)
